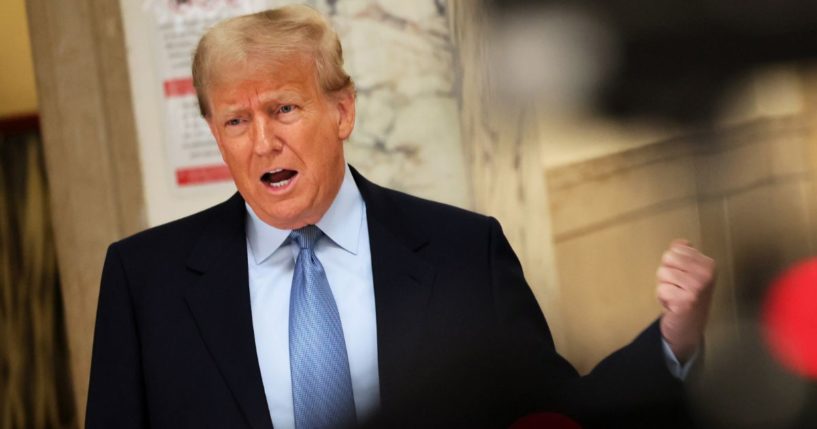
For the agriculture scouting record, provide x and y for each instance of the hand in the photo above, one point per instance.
(685, 283)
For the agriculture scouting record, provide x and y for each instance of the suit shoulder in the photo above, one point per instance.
(173, 234)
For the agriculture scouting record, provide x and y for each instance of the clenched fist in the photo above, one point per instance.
(685, 282)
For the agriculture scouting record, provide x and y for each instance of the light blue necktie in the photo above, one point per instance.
(321, 382)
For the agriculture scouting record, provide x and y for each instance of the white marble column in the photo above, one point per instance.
(400, 55)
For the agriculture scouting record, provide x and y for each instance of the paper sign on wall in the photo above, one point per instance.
(179, 24)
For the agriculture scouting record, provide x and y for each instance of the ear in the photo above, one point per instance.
(345, 104)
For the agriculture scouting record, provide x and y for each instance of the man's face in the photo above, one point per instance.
(282, 138)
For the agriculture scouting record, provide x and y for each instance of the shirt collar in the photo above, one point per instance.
(341, 223)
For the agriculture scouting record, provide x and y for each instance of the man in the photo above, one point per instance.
(314, 298)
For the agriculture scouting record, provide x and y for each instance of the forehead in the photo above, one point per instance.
(294, 74)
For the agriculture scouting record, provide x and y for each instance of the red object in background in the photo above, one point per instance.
(179, 87)
(202, 175)
(545, 421)
(790, 318)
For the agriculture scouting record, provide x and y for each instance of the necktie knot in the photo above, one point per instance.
(307, 236)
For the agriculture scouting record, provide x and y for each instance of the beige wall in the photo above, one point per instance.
(744, 194)
(612, 218)
(17, 91)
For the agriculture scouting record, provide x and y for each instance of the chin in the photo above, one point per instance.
(285, 217)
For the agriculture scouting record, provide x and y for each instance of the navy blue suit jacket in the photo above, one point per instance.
(461, 339)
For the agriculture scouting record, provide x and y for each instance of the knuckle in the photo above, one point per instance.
(660, 272)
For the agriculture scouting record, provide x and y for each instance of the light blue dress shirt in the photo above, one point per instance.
(346, 258)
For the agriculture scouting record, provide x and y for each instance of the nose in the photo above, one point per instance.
(267, 140)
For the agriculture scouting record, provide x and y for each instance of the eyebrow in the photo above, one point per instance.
(272, 96)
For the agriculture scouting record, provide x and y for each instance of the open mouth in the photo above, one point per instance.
(278, 178)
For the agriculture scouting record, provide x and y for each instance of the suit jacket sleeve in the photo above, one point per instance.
(632, 387)
(116, 396)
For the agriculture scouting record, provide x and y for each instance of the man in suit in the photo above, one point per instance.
(314, 298)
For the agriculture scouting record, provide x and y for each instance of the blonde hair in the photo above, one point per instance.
(268, 37)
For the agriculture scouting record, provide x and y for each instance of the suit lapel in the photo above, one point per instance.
(402, 286)
(220, 303)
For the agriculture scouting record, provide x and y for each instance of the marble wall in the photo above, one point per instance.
(401, 57)
(502, 144)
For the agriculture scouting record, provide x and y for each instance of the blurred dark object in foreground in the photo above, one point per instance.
(745, 384)
(678, 57)
(744, 387)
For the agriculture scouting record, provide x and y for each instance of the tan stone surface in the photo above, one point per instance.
(502, 147)
(749, 154)
(768, 231)
(716, 242)
(607, 280)
(91, 153)
(604, 198)
(743, 193)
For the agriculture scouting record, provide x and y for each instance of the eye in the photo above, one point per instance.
(286, 108)
(233, 122)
